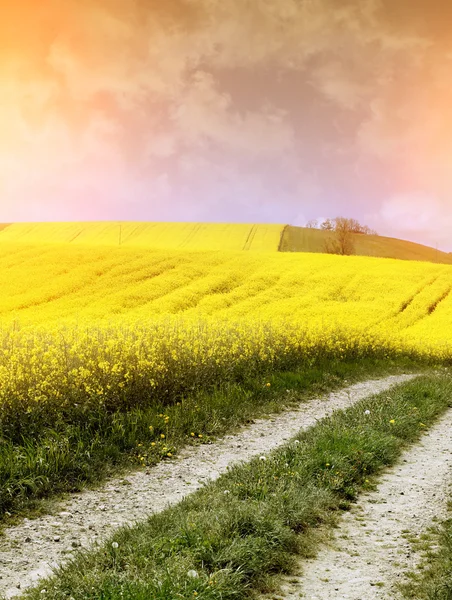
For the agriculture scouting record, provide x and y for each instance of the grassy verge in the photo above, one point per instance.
(65, 456)
(432, 580)
(230, 537)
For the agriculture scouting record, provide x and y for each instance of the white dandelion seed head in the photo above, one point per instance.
(226, 492)
(115, 545)
(367, 412)
(192, 574)
(262, 458)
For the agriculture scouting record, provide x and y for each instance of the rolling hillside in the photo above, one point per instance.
(158, 236)
(302, 239)
(211, 236)
(56, 283)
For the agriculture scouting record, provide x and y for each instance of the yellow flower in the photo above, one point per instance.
(268, 384)
(162, 435)
(169, 454)
(421, 424)
(192, 434)
(200, 435)
(392, 421)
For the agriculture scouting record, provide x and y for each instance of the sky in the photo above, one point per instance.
(277, 111)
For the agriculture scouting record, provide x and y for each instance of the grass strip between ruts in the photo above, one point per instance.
(231, 536)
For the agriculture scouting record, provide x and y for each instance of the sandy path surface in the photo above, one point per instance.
(30, 550)
(370, 552)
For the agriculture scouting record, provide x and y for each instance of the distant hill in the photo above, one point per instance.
(157, 236)
(303, 239)
(211, 236)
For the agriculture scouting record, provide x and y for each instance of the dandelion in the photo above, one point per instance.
(151, 428)
(192, 434)
(268, 384)
(162, 436)
(114, 545)
(192, 574)
(262, 458)
(200, 435)
(392, 421)
(226, 492)
(367, 412)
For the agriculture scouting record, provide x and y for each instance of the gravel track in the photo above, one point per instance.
(370, 551)
(30, 550)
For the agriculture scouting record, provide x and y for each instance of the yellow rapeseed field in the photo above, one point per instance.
(107, 327)
(159, 236)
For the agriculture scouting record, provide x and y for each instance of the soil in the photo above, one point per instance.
(30, 550)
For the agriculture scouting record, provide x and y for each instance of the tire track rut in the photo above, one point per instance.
(30, 550)
(370, 551)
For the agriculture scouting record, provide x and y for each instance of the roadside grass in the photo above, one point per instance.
(66, 456)
(432, 579)
(233, 536)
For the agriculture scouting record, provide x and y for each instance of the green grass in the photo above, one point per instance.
(302, 239)
(432, 580)
(84, 447)
(231, 537)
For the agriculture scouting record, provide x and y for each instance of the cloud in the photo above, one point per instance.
(336, 82)
(205, 116)
(419, 215)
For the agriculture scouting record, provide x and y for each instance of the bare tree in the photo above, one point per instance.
(352, 224)
(342, 242)
(343, 229)
(327, 225)
(312, 224)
